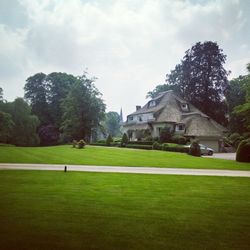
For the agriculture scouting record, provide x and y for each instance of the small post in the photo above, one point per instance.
(65, 169)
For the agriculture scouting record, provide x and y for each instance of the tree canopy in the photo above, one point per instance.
(112, 123)
(201, 79)
(65, 104)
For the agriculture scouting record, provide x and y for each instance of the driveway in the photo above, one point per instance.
(132, 170)
(226, 156)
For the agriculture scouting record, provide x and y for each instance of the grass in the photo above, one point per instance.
(56, 210)
(112, 157)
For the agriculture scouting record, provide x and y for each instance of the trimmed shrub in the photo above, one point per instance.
(243, 151)
(179, 139)
(74, 143)
(139, 146)
(195, 149)
(124, 140)
(141, 142)
(98, 144)
(81, 144)
(109, 140)
(156, 145)
(179, 149)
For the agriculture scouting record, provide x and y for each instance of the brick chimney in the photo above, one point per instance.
(138, 107)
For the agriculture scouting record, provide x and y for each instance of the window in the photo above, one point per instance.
(151, 104)
(180, 127)
(130, 118)
(184, 106)
(139, 118)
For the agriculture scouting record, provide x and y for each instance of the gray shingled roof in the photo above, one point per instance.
(168, 109)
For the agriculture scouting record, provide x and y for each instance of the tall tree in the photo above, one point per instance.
(243, 110)
(202, 79)
(83, 110)
(235, 96)
(36, 92)
(112, 121)
(6, 127)
(161, 88)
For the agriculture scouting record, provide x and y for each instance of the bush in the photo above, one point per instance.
(109, 140)
(166, 134)
(124, 140)
(148, 138)
(243, 151)
(98, 144)
(81, 144)
(179, 139)
(195, 149)
(156, 145)
(139, 146)
(179, 149)
(74, 143)
(141, 142)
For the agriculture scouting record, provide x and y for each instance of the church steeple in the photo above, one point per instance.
(121, 116)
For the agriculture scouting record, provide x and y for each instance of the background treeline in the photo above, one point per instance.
(59, 108)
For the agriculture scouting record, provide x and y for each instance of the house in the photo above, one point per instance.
(182, 118)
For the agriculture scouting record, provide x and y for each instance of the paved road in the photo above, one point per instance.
(135, 170)
(227, 156)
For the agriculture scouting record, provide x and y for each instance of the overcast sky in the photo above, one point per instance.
(128, 45)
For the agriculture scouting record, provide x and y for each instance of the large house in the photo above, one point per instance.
(169, 110)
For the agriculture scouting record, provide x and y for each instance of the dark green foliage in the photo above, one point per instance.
(48, 134)
(109, 140)
(201, 79)
(166, 134)
(124, 140)
(21, 126)
(141, 142)
(179, 139)
(195, 149)
(83, 109)
(156, 146)
(243, 151)
(235, 139)
(6, 127)
(81, 144)
(139, 146)
(180, 149)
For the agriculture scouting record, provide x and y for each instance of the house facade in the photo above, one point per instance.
(169, 110)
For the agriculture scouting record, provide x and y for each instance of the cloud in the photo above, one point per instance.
(129, 45)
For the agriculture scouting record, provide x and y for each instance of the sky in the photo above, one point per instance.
(128, 45)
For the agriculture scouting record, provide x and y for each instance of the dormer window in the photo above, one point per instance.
(180, 127)
(151, 104)
(130, 118)
(184, 107)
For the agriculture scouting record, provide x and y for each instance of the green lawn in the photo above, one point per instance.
(112, 157)
(56, 210)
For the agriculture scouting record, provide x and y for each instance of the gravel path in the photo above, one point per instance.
(134, 170)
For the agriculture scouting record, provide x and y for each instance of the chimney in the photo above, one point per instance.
(138, 107)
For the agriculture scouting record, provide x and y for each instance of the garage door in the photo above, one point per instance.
(211, 144)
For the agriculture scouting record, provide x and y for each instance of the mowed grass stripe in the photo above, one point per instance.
(56, 210)
(113, 157)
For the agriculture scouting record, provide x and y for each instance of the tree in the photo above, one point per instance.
(112, 123)
(1, 94)
(243, 110)
(83, 109)
(235, 96)
(6, 127)
(36, 92)
(201, 79)
(19, 124)
(161, 88)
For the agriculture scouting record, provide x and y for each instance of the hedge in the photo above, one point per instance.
(148, 147)
(243, 151)
(141, 142)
